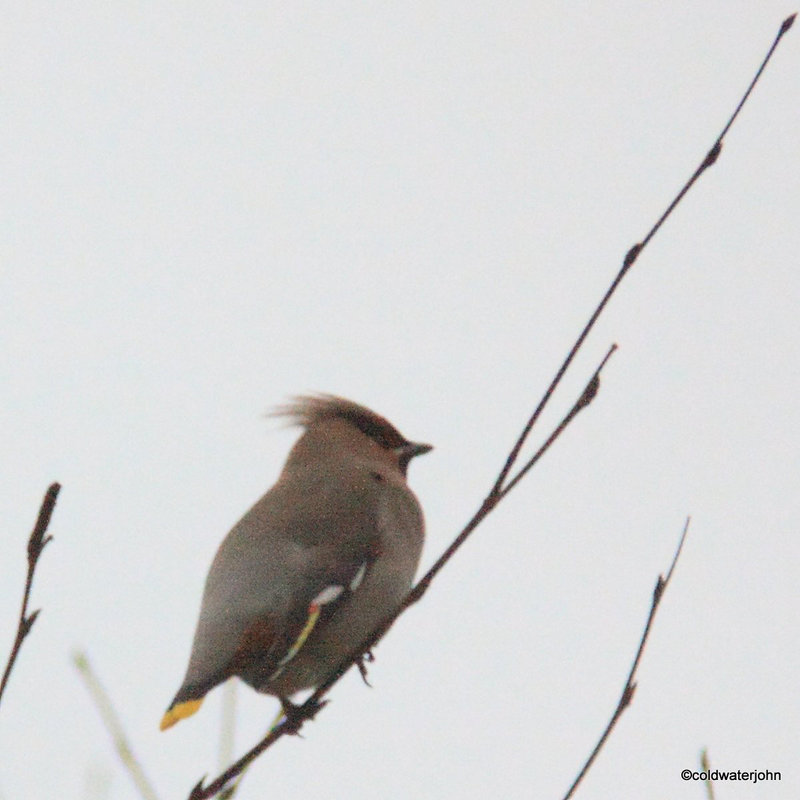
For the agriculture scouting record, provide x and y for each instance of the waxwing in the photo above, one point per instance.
(316, 564)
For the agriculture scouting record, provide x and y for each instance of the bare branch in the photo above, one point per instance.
(630, 257)
(299, 714)
(36, 544)
(114, 726)
(630, 684)
(307, 710)
(589, 393)
(494, 497)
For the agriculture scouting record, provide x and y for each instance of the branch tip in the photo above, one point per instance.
(80, 661)
(38, 540)
(787, 23)
(611, 350)
(36, 543)
(678, 550)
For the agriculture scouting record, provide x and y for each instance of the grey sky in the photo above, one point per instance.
(209, 208)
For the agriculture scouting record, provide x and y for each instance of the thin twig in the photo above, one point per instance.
(630, 683)
(630, 257)
(705, 766)
(36, 544)
(493, 498)
(588, 395)
(227, 723)
(114, 726)
(501, 486)
(315, 702)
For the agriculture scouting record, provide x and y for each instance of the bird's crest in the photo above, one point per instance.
(305, 410)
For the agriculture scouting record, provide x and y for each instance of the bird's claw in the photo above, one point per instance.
(361, 663)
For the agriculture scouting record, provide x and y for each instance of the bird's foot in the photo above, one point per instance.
(295, 715)
(361, 663)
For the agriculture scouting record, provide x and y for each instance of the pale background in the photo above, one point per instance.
(208, 207)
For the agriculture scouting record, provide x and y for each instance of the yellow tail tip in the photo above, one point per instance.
(178, 712)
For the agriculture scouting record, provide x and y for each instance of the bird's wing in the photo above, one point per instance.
(330, 575)
(275, 578)
(261, 644)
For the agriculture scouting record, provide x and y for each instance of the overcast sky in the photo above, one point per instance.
(210, 207)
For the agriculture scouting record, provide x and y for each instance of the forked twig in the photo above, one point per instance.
(631, 256)
(495, 496)
(503, 485)
(315, 702)
(630, 683)
(36, 544)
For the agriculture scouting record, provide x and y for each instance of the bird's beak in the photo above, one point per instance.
(408, 450)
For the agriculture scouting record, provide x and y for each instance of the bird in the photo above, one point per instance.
(312, 569)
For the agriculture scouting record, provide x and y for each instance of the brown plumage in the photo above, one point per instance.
(317, 563)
